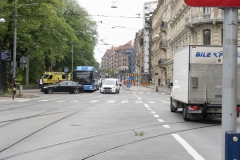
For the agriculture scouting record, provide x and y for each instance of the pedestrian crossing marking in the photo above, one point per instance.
(24, 100)
(153, 112)
(94, 101)
(124, 102)
(152, 102)
(44, 100)
(160, 120)
(59, 101)
(138, 101)
(155, 115)
(166, 126)
(111, 101)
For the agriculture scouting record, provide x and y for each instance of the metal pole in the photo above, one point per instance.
(15, 41)
(27, 69)
(72, 57)
(229, 79)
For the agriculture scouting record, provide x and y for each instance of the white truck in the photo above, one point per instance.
(197, 82)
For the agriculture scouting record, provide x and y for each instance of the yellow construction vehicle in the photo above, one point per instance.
(53, 77)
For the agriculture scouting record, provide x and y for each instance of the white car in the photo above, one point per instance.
(110, 85)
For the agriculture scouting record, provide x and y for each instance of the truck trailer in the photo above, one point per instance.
(197, 82)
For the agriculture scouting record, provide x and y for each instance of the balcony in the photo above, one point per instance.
(162, 63)
(163, 44)
(202, 18)
(164, 27)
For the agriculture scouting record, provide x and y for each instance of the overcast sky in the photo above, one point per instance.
(114, 28)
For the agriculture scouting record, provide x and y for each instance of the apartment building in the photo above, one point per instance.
(176, 25)
(139, 55)
(116, 61)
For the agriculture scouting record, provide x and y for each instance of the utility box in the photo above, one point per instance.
(232, 148)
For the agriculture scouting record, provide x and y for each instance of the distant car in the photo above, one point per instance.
(110, 85)
(66, 86)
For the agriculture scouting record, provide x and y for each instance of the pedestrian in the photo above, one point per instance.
(40, 83)
(58, 80)
(14, 87)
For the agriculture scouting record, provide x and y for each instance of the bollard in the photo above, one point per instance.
(156, 88)
(20, 90)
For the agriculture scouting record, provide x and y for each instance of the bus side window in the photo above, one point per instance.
(63, 76)
(50, 77)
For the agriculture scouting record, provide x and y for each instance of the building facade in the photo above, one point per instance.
(177, 26)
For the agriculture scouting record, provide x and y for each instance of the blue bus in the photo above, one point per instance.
(88, 76)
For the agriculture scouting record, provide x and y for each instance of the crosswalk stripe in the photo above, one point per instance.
(152, 102)
(24, 100)
(111, 101)
(124, 102)
(94, 101)
(59, 101)
(138, 101)
(44, 100)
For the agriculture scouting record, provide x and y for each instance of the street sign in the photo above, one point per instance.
(128, 84)
(131, 78)
(213, 3)
(65, 69)
(5, 55)
(23, 62)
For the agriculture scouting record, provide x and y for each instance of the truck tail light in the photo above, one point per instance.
(193, 108)
(238, 109)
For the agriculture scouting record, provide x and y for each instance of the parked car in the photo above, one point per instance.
(66, 86)
(110, 85)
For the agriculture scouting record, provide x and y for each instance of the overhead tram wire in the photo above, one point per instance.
(106, 16)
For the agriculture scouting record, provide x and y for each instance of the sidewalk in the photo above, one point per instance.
(160, 88)
(27, 93)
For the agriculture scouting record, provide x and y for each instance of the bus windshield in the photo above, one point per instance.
(82, 77)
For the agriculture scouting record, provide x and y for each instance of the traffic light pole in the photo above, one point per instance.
(229, 79)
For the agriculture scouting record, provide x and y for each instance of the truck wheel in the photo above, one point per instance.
(185, 113)
(50, 91)
(173, 109)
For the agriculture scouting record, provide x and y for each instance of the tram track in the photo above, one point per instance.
(110, 133)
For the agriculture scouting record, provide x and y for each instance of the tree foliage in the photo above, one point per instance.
(51, 31)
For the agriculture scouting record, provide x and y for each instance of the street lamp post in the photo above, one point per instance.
(15, 41)
(72, 57)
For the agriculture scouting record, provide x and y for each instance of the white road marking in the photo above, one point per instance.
(153, 112)
(137, 97)
(141, 92)
(74, 101)
(166, 126)
(139, 102)
(163, 93)
(94, 101)
(165, 102)
(59, 101)
(110, 101)
(152, 102)
(148, 92)
(190, 150)
(146, 105)
(160, 120)
(44, 100)
(124, 102)
(24, 100)
(155, 115)
(156, 93)
(149, 109)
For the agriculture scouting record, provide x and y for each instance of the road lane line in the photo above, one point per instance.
(94, 101)
(59, 101)
(166, 126)
(124, 102)
(110, 101)
(137, 97)
(160, 120)
(146, 105)
(155, 115)
(189, 148)
(24, 100)
(153, 112)
(44, 100)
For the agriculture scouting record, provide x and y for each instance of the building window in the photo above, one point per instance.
(222, 36)
(207, 10)
(207, 37)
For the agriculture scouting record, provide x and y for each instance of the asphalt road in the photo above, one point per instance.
(134, 125)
